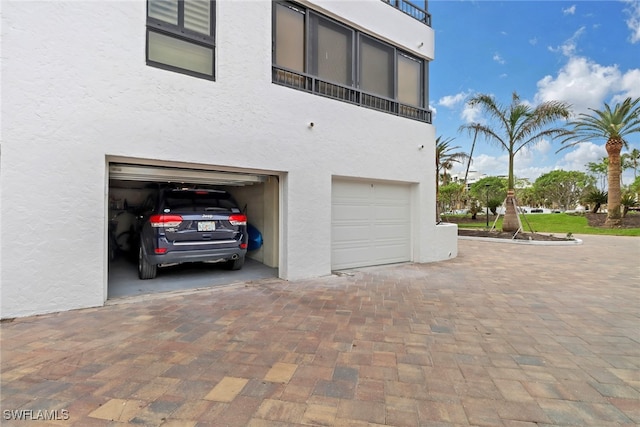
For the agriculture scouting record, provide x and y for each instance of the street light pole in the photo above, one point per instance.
(487, 185)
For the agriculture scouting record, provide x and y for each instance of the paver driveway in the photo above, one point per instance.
(503, 335)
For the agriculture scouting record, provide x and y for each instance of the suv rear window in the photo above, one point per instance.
(175, 200)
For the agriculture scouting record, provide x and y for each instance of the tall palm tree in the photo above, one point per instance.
(445, 158)
(612, 126)
(517, 126)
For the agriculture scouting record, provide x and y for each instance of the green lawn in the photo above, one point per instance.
(557, 223)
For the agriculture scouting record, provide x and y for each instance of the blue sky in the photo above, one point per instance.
(583, 52)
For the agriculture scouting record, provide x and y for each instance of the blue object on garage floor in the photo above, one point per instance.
(255, 238)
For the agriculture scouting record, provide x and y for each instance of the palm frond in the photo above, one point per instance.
(519, 124)
(605, 124)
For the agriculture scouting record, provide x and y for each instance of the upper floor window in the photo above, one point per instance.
(180, 36)
(289, 37)
(330, 50)
(410, 80)
(377, 64)
(323, 56)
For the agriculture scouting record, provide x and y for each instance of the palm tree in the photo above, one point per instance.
(599, 171)
(445, 158)
(631, 161)
(611, 126)
(517, 126)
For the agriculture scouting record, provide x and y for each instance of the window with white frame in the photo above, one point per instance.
(320, 55)
(180, 36)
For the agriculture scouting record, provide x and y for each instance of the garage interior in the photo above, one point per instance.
(129, 186)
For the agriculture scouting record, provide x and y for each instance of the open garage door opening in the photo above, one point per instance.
(175, 228)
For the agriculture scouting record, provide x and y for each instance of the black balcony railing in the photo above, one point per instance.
(351, 95)
(412, 10)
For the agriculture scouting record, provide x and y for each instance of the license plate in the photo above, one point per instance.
(206, 226)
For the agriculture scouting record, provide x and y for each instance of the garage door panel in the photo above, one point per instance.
(392, 246)
(384, 222)
(351, 234)
(390, 214)
(398, 192)
(353, 258)
(390, 232)
(370, 223)
(351, 212)
(390, 253)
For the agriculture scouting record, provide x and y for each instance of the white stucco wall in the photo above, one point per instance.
(76, 92)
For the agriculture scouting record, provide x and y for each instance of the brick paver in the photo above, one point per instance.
(503, 335)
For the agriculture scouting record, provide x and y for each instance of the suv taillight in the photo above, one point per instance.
(165, 220)
(238, 219)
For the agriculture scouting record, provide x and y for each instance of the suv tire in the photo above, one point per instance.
(235, 264)
(146, 270)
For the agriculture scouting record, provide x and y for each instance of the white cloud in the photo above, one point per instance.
(451, 101)
(499, 165)
(533, 41)
(584, 84)
(433, 110)
(486, 164)
(533, 153)
(577, 159)
(532, 173)
(570, 10)
(471, 114)
(543, 147)
(633, 20)
(530, 162)
(570, 46)
(499, 59)
(629, 86)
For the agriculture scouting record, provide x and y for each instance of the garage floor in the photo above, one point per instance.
(124, 282)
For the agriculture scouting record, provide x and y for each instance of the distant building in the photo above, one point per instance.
(472, 178)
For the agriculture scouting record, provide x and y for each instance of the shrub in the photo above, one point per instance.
(628, 200)
(597, 198)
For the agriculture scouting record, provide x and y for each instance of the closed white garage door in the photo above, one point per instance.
(370, 223)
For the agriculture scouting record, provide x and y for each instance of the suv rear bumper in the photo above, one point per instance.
(211, 255)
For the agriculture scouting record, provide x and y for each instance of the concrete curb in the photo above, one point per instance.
(574, 242)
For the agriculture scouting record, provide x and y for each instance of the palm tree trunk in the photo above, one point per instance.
(614, 216)
(510, 222)
(466, 172)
